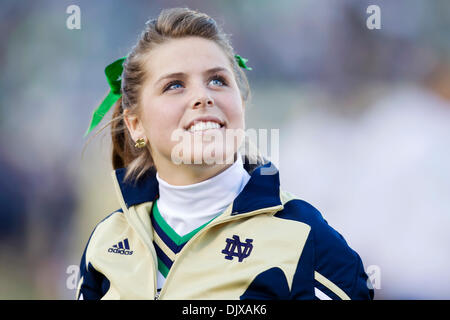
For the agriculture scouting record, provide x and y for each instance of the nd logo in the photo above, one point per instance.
(236, 248)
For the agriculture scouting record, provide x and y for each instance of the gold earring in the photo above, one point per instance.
(140, 143)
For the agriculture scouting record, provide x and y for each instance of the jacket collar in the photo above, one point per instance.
(261, 191)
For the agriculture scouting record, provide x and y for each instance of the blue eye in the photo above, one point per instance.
(173, 85)
(218, 80)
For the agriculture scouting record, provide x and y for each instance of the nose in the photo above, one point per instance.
(203, 101)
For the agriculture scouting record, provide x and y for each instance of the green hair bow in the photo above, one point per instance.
(113, 74)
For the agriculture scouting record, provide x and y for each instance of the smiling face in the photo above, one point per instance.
(191, 89)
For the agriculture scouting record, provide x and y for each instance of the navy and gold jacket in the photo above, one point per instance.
(266, 245)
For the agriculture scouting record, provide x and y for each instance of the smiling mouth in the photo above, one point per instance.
(200, 126)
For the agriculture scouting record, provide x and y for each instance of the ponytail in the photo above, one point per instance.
(118, 136)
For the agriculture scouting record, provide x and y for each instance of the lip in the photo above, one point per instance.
(204, 119)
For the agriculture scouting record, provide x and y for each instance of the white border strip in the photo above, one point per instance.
(321, 295)
(330, 285)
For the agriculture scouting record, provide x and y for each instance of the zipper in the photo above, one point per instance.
(158, 295)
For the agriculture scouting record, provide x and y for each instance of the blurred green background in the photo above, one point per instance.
(363, 118)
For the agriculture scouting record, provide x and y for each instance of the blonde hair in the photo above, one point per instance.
(170, 24)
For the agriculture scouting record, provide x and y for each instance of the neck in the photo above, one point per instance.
(187, 174)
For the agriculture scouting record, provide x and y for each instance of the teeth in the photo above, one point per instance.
(200, 126)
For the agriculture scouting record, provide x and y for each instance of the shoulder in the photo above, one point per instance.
(112, 224)
(323, 235)
(299, 210)
(335, 265)
(112, 220)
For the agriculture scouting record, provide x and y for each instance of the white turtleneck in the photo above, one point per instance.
(185, 208)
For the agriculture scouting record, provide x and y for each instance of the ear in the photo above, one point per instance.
(134, 125)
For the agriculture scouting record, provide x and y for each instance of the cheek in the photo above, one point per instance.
(234, 111)
(160, 119)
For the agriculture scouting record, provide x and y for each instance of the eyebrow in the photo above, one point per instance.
(183, 75)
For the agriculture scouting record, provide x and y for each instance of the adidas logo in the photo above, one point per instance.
(121, 248)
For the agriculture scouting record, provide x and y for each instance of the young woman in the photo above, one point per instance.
(196, 224)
